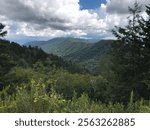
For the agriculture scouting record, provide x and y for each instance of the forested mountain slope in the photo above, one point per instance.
(80, 51)
(14, 55)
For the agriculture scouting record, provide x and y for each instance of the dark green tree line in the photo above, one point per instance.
(131, 56)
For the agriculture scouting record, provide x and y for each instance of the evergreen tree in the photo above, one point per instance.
(145, 40)
(2, 33)
(129, 56)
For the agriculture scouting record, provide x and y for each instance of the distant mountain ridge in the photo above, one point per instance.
(62, 46)
(90, 56)
(85, 52)
(63, 39)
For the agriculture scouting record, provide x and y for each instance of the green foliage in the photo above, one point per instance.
(131, 57)
(19, 75)
(36, 99)
(96, 87)
(12, 54)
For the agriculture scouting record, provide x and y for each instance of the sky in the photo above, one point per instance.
(90, 4)
(30, 20)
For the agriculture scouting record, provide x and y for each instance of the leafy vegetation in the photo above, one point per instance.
(36, 99)
(131, 55)
(34, 81)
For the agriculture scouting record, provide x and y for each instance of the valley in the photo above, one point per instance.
(86, 53)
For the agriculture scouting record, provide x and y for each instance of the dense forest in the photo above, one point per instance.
(33, 81)
(85, 52)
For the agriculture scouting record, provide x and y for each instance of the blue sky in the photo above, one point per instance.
(91, 4)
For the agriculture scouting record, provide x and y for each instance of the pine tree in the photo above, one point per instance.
(2, 33)
(144, 34)
(129, 55)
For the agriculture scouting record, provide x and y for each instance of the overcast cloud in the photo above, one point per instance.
(121, 6)
(57, 18)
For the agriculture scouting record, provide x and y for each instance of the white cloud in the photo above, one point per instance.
(50, 18)
(121, 6)
(117, 11)
(56, 18)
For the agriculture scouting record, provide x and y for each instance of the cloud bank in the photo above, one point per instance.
(57, 18)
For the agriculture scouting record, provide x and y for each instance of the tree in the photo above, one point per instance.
(2, 56)
(145, 40)
(130, 55)
(2, 33)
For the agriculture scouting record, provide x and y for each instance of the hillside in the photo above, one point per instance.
(81, 51)
(62, 46)
(91, 55)
(14, 55)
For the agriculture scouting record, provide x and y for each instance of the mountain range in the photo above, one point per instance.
(86, 52)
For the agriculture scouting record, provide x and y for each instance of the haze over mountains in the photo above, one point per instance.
(62, 46)
(86, 52)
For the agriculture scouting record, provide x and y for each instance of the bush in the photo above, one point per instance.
(36, 99)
